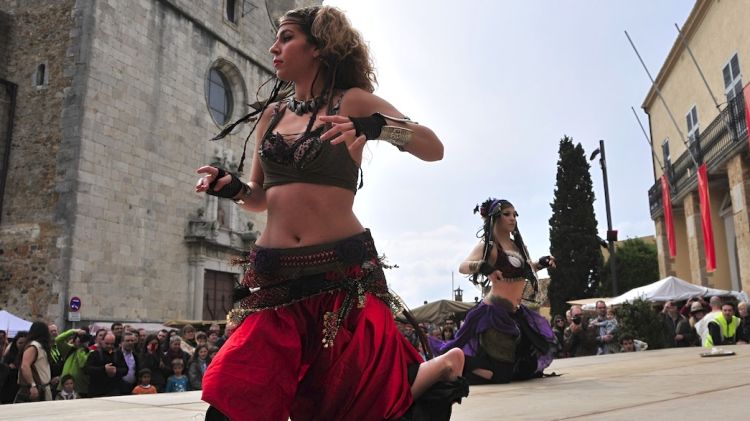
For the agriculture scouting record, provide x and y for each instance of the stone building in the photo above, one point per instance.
(709, 127)
(106, 108)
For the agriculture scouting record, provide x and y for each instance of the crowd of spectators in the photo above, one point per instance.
(694, 322)
(44, 364)
(691, 323)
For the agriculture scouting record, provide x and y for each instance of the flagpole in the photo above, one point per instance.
(648, 140)
(687, 47)
(661, 97)
(452, 286)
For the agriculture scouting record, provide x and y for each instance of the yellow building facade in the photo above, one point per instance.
(707, 125)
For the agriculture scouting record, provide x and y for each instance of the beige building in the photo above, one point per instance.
(106, 108)
(719, 38)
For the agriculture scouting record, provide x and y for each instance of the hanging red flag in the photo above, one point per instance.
(708, 232)
(746, 94)
(667, 205)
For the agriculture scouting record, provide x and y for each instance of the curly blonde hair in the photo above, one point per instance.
(344, 54)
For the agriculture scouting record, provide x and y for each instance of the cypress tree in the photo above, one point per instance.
(573, 235)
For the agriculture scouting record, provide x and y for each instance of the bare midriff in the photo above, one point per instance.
(511, 291)
(302, 214)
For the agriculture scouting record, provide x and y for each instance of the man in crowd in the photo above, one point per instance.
(117, 328)
(745, 319)
(228, 330)
(141, 343)
(127, 353)
(702, 326)
(724, 329)
(105, 370)
(76, 357)
(670, 318)
(691, 337)
(163, 337)
(605, 330)
(630, 344)
(56, 359)
(579, 338)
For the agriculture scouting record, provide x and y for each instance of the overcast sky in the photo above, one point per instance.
(501, 82)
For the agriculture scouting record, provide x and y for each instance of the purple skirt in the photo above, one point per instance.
(493, 316)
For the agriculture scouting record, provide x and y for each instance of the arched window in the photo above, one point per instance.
(219, 96)
(231, 11)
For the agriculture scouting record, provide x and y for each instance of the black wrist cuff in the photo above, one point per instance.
(369, 126)
(544, 262)
(230, 190)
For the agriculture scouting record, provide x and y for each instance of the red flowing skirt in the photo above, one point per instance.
(274, 366)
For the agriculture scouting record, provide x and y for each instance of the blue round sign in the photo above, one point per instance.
(75, 304)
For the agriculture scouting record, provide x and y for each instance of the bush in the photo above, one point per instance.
(641, 321)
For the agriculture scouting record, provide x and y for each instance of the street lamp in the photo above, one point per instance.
(458, 294)
(611, 234)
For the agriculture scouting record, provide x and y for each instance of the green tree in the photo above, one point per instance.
(640, 320)
(637, 265)
(573, 235)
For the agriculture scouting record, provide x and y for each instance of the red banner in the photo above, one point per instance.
(746, 94)
(667, 205)
(708, 232)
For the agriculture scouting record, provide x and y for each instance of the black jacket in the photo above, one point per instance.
(100, 384)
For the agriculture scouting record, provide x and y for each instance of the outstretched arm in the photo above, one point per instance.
(424, 144)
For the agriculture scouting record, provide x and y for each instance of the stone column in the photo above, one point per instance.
(666, 265)
(696, 251)
(738, 173)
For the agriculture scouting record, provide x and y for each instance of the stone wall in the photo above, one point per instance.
(145, 130)
(100, 201)
(31, 229)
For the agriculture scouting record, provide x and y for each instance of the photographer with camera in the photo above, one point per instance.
(73, 346)
(579, 339)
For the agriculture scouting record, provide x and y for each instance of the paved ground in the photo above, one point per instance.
(674, 383)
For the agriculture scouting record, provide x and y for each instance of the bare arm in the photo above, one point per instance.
(29, 356)
(476, 255)
(357, 102)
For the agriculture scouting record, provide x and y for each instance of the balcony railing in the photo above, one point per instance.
(723, 138)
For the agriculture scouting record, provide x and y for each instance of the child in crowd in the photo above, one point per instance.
(197, 367)
(144, 386)
(177, 382)
(201, 339)
(68, 391)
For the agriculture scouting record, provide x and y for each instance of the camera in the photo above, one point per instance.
(576, 319)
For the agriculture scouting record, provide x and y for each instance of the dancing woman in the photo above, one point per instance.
(502, 339)
(316, 336)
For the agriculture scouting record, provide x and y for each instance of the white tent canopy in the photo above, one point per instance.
(671, 288)
(12, 324)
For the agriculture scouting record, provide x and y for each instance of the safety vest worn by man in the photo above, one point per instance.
(727, 329)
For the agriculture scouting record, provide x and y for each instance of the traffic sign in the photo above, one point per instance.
(75, 304)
